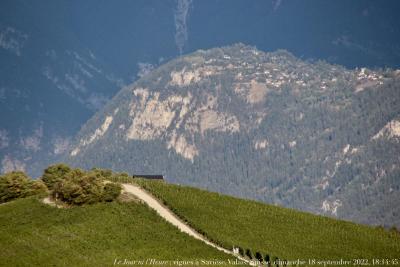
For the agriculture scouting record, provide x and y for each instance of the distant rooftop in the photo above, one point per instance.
(147, 176)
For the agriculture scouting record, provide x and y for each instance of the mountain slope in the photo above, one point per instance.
(57, 70)
(266, 126)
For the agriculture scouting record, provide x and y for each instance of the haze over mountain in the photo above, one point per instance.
(267, 126)
(60, 61)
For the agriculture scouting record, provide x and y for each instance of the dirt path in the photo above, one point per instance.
(170, 217)
(50, 202)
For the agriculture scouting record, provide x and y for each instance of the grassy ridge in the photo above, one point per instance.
(34, 234)
(278, 231)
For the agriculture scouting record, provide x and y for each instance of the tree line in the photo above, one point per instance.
(63, 183)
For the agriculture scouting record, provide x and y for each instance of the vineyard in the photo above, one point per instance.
(278, 232)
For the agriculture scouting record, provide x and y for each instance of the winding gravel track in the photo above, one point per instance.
(170, 217)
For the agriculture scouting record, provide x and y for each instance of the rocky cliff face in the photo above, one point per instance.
(267, 126)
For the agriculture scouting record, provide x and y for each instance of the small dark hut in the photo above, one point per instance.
(151, 177)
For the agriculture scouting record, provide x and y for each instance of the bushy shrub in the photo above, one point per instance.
(17, 185)
(120, 177)
(102, 173)
(54, 173)
(73, 186)
(13, 185)
(79, 187)
(37, 187)
(111, 191)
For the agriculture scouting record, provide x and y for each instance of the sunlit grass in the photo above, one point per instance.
(35, 234)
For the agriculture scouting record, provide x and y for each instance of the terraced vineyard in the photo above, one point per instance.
(280, 232)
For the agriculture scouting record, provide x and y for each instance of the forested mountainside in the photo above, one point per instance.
(266, 126)
(58, 70)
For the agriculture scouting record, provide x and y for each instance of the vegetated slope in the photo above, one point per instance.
(281, 232)
(35, 234)
(266, 126)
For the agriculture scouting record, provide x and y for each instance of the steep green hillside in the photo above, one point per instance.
(278, 231)
(35, 234)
